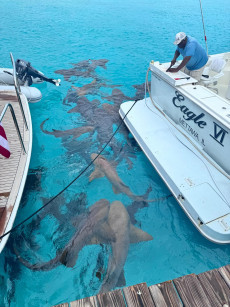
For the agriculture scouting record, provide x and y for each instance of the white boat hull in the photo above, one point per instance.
(201, 190)
(204, 115)
(13, 181)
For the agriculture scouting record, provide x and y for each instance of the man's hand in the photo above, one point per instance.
(182, 64)
(172, 69)
(172, 63)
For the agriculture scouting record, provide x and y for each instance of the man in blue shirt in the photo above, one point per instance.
(194, 56)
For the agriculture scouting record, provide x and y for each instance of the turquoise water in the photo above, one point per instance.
(125, 36)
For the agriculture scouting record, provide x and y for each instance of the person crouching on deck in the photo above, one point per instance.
(194, 56)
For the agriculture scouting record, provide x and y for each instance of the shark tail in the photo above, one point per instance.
(143, 197)
(45, 266)
(146, 195)
(158, 199)
(42, 127)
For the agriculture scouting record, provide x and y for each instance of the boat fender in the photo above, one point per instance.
(32, 93)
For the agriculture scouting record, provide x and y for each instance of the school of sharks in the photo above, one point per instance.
(104, 222)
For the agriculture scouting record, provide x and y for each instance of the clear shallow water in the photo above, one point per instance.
(53, 36)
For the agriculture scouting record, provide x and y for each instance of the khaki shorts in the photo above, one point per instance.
(196, 74)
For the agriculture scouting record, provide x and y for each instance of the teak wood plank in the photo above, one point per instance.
(225, 273)
(215, 288)
(1, 212)
(111, 299)
(157, 296)
(191, 292)
(88, 301)
(165, 295)
(6, 97)
(138, 295)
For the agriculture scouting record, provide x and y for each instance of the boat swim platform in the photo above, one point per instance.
(208, 289)
(14, 169)
(193, 177)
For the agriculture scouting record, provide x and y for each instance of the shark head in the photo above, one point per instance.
(99, 206)
(93, 156)
(99, 159)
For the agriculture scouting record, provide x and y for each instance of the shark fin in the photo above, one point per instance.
(96, 174)
(121, 280)
(137, 235)
(115, 190)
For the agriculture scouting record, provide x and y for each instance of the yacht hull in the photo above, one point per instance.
(204, 115)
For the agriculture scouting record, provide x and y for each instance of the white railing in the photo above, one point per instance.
(18, 90)
(8, 105)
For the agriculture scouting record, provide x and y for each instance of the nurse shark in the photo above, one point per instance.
(104, 224)
(103, 117)
(104, 168)
(125, 233)
(90, 223)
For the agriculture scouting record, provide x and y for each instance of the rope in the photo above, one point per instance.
(205, 38)
(174, 125)
(81, 173)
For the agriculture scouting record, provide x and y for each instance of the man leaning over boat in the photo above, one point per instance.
(194, 56)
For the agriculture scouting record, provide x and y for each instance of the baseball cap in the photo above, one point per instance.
(179, 37)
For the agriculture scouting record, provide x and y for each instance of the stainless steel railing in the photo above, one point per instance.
(18, 90)
(8, 105)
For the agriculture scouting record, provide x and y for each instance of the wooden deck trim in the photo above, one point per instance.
(215, 288)
(165, 295)
(89, 301)
(225, 273)
(114, 298)
(190, 291)
(138, 295)
(208, 289)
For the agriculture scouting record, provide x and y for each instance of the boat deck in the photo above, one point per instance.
(207, 289)
(13, 170)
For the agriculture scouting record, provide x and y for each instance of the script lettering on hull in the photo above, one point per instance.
(188, 114)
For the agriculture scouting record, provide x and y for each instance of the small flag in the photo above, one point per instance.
(4, 145)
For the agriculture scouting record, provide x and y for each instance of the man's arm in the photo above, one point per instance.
(182, 64)
(176, 55)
